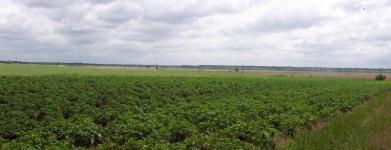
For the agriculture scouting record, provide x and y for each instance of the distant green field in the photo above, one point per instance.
(29, 70)
(39, 70)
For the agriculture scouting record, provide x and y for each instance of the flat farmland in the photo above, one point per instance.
(166, 109)
(39, 70)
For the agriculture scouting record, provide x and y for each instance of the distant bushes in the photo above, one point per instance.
(380, 77)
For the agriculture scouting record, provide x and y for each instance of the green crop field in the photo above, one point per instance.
(39, 70)
(47, 107)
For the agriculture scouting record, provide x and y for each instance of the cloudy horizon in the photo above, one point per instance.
(306, 33)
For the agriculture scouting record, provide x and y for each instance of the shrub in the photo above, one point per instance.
(380, 77)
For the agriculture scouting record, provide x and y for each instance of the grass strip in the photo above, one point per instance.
(366, 127)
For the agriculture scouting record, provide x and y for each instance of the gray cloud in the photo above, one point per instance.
(331, 33)
(277, 19)
(43, 4)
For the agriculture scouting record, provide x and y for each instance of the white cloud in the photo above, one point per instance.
(335, 33)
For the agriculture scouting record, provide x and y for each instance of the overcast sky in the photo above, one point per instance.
(332, 33)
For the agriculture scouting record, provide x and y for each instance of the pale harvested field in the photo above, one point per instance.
(354, 75)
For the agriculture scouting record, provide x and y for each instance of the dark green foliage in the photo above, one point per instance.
(380, 77)
(64, 112)
(254, 132)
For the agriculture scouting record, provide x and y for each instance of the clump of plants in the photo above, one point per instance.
(380, 77)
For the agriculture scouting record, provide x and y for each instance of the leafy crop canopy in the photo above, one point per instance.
(51, 112)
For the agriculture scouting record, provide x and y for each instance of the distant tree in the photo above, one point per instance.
(236, 69)
(157, 67)
(380, 77)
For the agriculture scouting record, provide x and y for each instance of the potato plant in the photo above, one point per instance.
(113, 112)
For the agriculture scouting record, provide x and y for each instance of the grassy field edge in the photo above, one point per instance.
(366, 127)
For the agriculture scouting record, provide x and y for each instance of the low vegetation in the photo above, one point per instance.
(113, 112)
(381, 77)
(366, 127)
